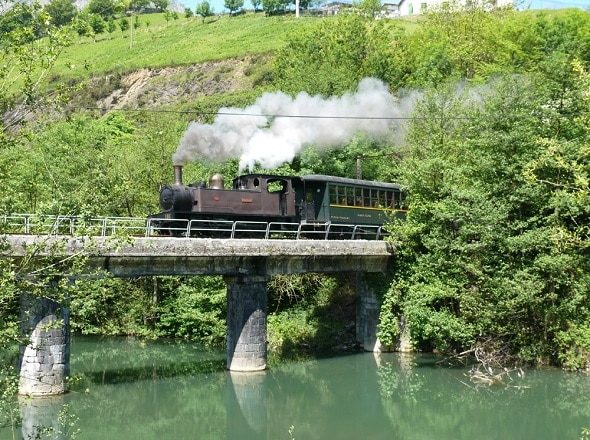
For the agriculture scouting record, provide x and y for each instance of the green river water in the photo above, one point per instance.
(127, 389)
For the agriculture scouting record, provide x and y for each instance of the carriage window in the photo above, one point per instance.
(256, 182)
(358, 197)
(350, 196)
(366, 197)
(342, 195)
(374, 199)
(382, 202)
(333, 194)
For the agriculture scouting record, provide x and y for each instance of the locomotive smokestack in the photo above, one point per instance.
(178, 174)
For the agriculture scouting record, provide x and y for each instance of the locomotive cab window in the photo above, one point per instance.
(277, 186)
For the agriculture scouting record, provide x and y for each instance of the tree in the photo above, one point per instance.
(188, 12)
(161, 5)
(97, 23)
(272, 7)
(62, 12)
(204, 9)
(334, 56)
(256, 4)
(138, 5)
(124, 24)
(494, 248)
(20, 16)
(111, 26)
(105, 8)
(233, 5)
(82, 26)
(370, 8)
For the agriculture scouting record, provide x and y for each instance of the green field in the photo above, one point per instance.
(177, 42)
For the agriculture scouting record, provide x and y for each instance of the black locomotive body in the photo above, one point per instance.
(266, 198)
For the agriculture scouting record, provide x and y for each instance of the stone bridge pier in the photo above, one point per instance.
(44, 361)
(246, 323)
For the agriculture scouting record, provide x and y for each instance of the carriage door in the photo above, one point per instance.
(309, 203)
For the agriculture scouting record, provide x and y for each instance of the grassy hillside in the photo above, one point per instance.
(184, 41)
(177, 42)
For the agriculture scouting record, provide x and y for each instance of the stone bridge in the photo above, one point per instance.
(245, 264)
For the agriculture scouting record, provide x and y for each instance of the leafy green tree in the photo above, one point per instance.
(82, 26)
(233, 5)
(271, 7)
(334, 56)
(124, 24)
(105, 8)
(62, 12)
(188, 12)
(161, 5)
(369, 8)
(136, 22)
(20, 16)
(111, 26)
(256, 4)
(97, 23)
(204, 10)
(488, 254)
(138, 5)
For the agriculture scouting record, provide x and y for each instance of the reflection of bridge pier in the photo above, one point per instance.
(247, 410)
(246, 264)
(40, 418)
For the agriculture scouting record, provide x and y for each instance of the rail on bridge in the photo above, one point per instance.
(149, 227)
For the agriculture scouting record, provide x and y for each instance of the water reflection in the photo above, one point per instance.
(247, 405)
(420, 398)
(40, 418)
(126, 389)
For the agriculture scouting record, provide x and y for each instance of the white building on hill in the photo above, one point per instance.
(417, 7)
(405, 8)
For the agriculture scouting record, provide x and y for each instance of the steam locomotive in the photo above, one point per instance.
(334, 206)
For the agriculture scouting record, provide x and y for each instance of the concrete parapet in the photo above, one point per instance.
(246, 323)
(44, 362)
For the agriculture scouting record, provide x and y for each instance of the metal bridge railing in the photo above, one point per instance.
(109, 226)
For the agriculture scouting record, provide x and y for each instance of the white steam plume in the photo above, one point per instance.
(274, 141)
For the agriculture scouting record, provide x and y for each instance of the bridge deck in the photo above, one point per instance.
(144, 256)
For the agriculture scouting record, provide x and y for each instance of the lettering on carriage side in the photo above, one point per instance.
(246, 200)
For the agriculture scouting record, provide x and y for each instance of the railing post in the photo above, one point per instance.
(267, 234)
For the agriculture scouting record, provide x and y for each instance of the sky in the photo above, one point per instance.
(532, 4)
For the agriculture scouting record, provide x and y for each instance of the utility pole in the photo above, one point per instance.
(131, 31)
(359, 168)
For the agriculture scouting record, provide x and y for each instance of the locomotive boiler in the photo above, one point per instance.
(281, 200)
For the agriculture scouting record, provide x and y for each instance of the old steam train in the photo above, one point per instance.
(258, 204)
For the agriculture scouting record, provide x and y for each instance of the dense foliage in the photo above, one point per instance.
(495, 247)
(495, 250)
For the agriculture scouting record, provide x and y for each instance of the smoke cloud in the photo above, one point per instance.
(273, 140)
